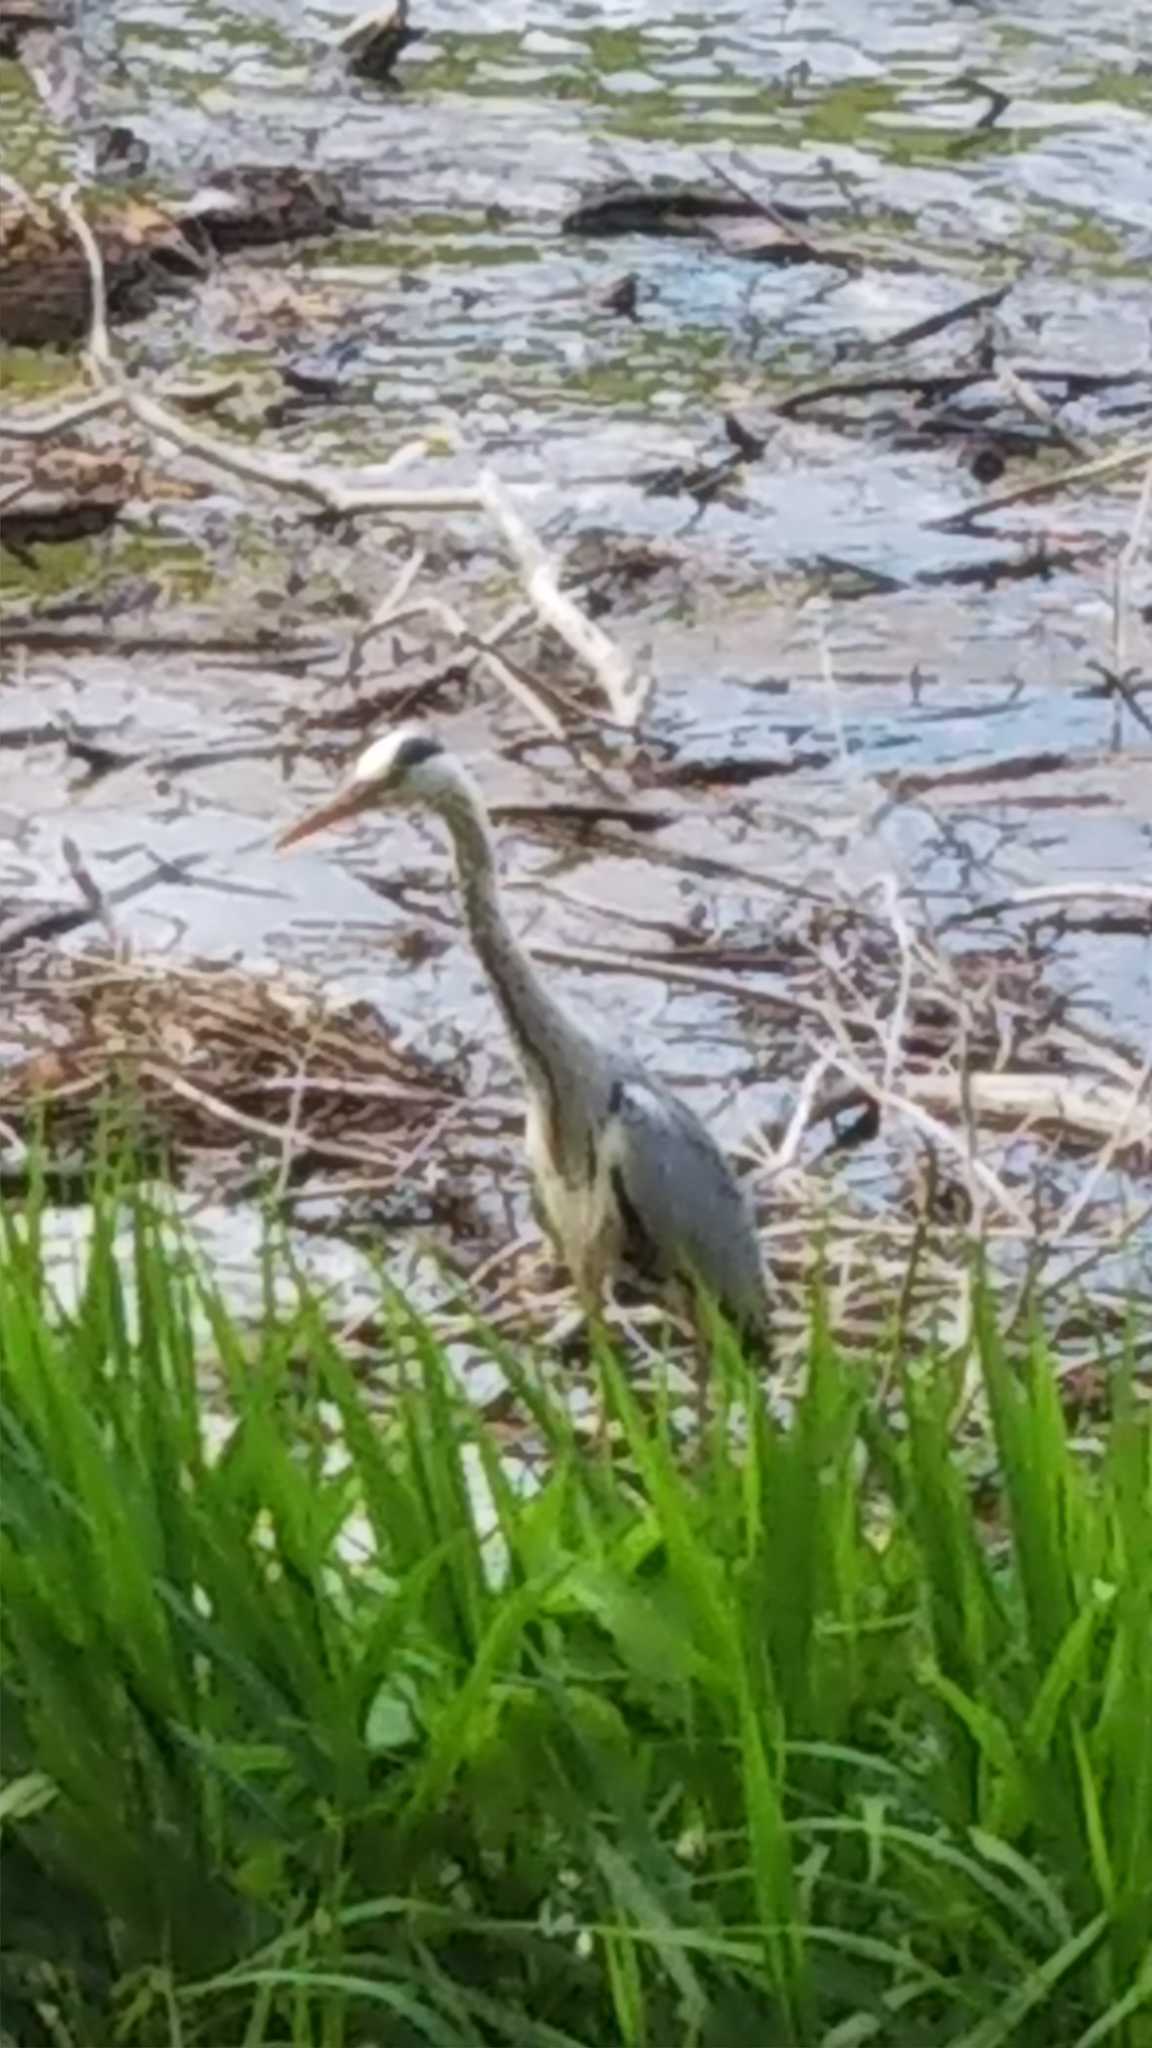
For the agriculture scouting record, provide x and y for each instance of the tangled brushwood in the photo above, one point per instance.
(929, 1100)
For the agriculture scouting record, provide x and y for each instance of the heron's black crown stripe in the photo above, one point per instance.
(420, 747)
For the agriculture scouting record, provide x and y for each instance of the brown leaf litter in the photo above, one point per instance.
(215, 1060)
(45, 287)
(66, 492)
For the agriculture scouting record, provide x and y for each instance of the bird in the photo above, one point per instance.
(627, 1177)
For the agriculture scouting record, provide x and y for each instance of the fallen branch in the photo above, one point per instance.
(1094, 1110)
(945, 383)
(371, 490)
(935, 323)
(1046, 486)
(519, 686)
(256, 1126)
(1054, 892)
(627, 691)
(1030, 401)
(651, 969)
(330, 489)
(47, 426)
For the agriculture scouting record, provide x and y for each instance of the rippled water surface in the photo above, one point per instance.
(463, 304)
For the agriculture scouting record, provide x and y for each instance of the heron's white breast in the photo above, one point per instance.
(583, 1217)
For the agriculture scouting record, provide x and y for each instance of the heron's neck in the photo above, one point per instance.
(546, 1042)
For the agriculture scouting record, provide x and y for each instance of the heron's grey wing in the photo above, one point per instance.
(682, 1208)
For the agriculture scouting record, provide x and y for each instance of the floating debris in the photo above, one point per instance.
(254, 204)
(374, 43)
(663, 207)
(20, 18)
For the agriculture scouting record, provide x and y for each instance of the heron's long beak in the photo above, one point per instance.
(345, 804)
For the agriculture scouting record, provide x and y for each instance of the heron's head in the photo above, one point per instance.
(405, 767)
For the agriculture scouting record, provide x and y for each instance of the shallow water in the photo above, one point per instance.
(464, 303)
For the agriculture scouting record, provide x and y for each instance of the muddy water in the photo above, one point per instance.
(463, 303)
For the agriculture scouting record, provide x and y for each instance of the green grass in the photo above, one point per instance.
(333, 1736)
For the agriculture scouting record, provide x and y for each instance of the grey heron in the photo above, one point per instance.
(627, 1176)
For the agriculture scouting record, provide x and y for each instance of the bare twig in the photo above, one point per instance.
(944, 383)
(1047, 486)
(346, 494)
(1054, 892)
(51, 924)
(48, 426)
(626, 689)
(795, 231)
(90, 890)
(935, 323)
(348, 1086)
(98, 348)
(1123, 687)
(220, 1111)
(299, 1083)
(648, 968)
(894, 1035)
(1094, 1109)
(379, 1184)
(1125, 572)
(507, 673)
(1037, 407)
(789, 1147)
(1116, 1143)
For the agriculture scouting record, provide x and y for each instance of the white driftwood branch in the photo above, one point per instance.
(368, 490)
(1126, 573)
(35, 425)
(99, 347)
(788, 1150)
(1097, 1109)
(1056, 892)
(626, 689)
(1026, 396)
(355, 491)
(1067, 892)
